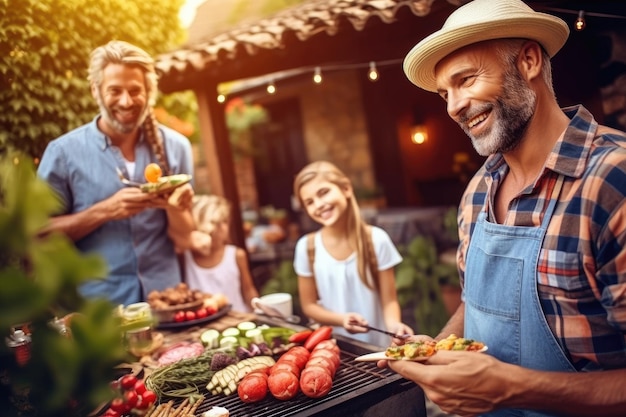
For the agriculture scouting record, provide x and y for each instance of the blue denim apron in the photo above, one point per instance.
(502, 305)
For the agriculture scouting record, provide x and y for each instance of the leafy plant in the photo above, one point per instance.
(39, 277)
(419, 278)
(241, 118)
(45, 47)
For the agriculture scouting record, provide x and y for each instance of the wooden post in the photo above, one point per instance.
(218, 156)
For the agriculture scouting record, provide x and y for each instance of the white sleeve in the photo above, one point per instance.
(386, 252)
(301, 258)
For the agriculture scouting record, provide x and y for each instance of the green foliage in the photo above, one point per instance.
(241, 118)
(44, 54)
(38, 282)
(419, 278)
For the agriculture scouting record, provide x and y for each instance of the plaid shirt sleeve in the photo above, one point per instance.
(582, 265)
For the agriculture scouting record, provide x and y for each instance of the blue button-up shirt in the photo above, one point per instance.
(80, 167)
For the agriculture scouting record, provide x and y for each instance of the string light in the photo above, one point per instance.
(580, 21)
(373, 72)
(317, 76)
(268, 80)
(271, 88)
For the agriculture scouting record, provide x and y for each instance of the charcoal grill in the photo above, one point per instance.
(356, 386)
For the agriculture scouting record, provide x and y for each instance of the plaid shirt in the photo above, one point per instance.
(582, 264)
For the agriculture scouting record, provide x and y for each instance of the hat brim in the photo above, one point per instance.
(419, 64)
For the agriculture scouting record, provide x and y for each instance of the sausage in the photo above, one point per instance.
(253, 387)
(330, 344)
(283, 385)
(315, 381)
(286, 365)
(322, 362)
(330, 355)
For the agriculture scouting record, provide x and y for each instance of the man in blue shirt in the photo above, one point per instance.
(129, 228)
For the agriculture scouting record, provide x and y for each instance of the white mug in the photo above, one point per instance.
(281, 302)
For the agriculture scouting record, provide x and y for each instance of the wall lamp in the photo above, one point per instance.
(419, 134)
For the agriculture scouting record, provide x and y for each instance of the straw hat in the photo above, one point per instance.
(477, 21)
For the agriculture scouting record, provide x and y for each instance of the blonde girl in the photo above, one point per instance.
(223, 268)
(346, 269)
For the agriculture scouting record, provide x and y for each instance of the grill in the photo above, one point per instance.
(356, 385)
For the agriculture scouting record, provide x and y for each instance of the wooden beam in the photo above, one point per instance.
(218, 156)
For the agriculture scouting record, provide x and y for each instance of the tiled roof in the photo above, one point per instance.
(304, 21)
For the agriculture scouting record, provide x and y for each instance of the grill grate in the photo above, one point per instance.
(352, 381)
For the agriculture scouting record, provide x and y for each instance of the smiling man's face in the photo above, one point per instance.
(486, 96)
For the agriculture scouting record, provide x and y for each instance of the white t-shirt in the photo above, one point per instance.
(224, 278)
(339, 287)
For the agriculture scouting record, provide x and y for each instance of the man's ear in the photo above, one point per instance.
(530, 60)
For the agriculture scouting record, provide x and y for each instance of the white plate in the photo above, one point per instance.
(166, 188)
(379, 356)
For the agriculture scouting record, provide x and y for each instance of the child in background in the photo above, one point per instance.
(349, 280)
(224, 267)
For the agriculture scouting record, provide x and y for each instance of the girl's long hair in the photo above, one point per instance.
(357, 229)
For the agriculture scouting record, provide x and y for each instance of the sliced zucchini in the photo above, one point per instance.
(229, 342)
(244, 326)
(231, 331)
(255, 335)
(210, 338)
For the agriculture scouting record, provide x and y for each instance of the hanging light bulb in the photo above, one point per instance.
(221, 98)
(373, 72)
(271, 88)
(580, 21)
(317, 76)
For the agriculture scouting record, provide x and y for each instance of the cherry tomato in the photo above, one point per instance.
(118, 405)
(190, 315)
(201, 313)
(131, 398)
(128, 381)
(140, 387)
(148, 398)
(179, 316)
(111, 413)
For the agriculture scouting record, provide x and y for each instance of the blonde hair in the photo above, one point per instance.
(124, 53)
(209, 210)
(358, 230)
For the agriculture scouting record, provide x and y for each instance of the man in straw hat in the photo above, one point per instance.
(542, 226)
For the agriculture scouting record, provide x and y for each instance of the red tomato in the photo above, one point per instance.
(190, 315)
(140, 387)
(128, 381)
(118, 406)
(179, 316)
(131, 398)
(201, 313)
(148, 398)
(210, 310)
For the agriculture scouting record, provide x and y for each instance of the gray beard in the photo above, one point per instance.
(512, 112)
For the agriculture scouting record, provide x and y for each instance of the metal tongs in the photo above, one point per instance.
(396, 336)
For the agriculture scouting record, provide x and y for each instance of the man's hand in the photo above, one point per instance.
(462, 383)
(129, 201)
